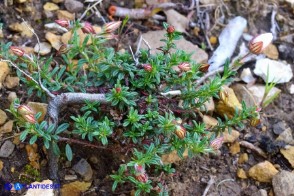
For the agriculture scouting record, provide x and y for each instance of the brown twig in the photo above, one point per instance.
(70, 140)
(254, 148)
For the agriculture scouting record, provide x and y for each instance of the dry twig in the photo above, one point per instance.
(254, 148)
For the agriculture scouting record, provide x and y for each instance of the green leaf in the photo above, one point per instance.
(23, 135)
(68, 152)
(33, 139)
(62, 128)
(56, 149)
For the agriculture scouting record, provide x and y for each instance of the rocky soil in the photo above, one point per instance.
(255, 161)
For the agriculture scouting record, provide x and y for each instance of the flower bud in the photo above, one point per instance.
(260, 42)
(111, 26)
(142, 177)
(170, 29)
(88, 28)
(147, 67)
(180, 131)
(139, 168)
(255, 121)
(63, 23)
(217, 143)
(25, 110)
(184, 66)
(30, 118)
(204, 67)
(118, 89)
(17, 51)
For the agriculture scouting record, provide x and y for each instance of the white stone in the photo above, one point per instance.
(247, 76)
(45, 48)
(291, 90)
(279, 72)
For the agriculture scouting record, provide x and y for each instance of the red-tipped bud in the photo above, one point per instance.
(17, 51)
(30, 118)
(63, 23)
(260, 42)
(139, 168)
(204, 67)
(118, 89)
(142, 177)
(147, 67)
(217, 143)
(111, 26)
(25, 110)
(184, 66)
(62, 49)
(254, 122)
(180, 131)
(88, 28)
(170, 29)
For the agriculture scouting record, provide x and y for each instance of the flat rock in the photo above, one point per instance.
(4, 71)
(179, 21)
(11, 82)
(7, 127)
(173, 157)
(288, 153)
(22, 28)
(6, 149)
(235, 148)
(253, 95)
(286, 136)
(247, 76)
(3, 117)
(230, 137)
(279, 127)
(55, 28)
(154, 37)
(263, 172)
(50, 7)
(45, 48)
(41, 191)
(260, 192)
(279, 72)
(271, 52)
(63, 14)
(39, 107)
(241, 173)
(283, 183)
(11, 97)
(75, 188)
(54, 40)
(243, 158)
(73, 6)
(209, 121)
(84, 169)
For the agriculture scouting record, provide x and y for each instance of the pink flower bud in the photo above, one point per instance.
(142, 177)
(111, 26)
(88, 28)
(63, 23)
(118, 89)
(25, 110)
(217, 143)
(260, 42)
(147, 67)
(139, 168)
(204, 67)
(17, 51)
(180, 131)
(170, 29)
(30, 118)
(184, 66)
